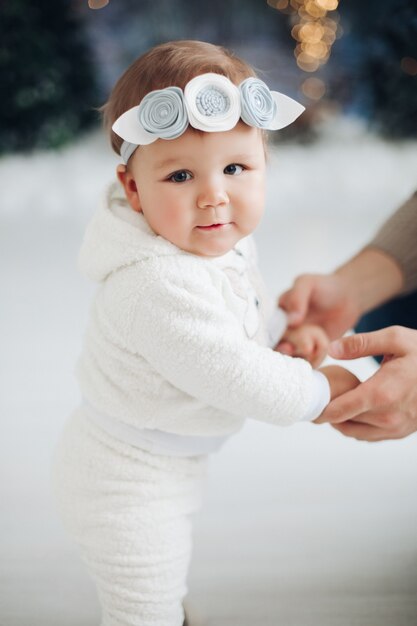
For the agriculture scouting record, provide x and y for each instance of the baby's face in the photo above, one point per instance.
(203, 191)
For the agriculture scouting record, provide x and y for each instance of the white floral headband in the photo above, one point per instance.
(209, 102)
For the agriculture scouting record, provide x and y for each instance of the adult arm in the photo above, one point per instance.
(398, 239)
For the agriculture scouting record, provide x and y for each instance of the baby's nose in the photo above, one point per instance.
(212, 195)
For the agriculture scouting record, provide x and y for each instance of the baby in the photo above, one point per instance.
(179, 348)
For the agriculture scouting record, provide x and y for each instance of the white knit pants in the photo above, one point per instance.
(129, 511)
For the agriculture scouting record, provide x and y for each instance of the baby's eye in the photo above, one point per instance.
(180, 177)
(233, 169)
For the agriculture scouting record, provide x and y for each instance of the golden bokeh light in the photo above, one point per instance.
(307, 64)
(295, 32)
(280, 5)
(314, 10)
(329, 36)
(314, 88)
(313, 30)
(317, 50)
(328, 5)
(331, 22)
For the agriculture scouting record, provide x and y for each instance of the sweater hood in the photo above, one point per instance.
(117, 237)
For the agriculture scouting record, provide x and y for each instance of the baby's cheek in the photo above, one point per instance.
(176, 224)
(252, 217)
(256, 203)
(170, 215)
(173, 217)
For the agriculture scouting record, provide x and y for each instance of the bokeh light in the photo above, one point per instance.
(409, 66)
(315, 31)
(314, 88)
(328, 5)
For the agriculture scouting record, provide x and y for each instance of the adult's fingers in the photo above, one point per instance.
(390, 423)
(295, 301)
(362, 432)
(388, 341)
(347, 406)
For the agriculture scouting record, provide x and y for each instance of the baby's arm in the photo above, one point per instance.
(308, 341)
(340, 380)
(179, 322)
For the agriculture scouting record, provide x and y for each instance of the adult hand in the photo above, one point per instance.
(323, 300)
(336, 301)
(384, 406)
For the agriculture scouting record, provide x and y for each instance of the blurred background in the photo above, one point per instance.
(301, 526)
(59, 59)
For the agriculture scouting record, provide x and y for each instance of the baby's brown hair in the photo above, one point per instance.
(173, 63)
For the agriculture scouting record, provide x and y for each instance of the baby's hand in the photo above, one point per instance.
(340, 380)
(307, 341)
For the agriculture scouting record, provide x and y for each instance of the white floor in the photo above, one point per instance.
(300, 527)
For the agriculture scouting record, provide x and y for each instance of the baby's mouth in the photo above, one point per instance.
(216, 226)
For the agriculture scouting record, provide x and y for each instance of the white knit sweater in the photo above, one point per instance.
(178, 342)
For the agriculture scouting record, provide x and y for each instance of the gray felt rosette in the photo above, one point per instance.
(162, 113)
(258, 105)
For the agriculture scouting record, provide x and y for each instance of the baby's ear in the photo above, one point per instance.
(126, 178)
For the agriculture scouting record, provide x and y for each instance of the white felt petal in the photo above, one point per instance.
(128, 127)
(287, 111)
